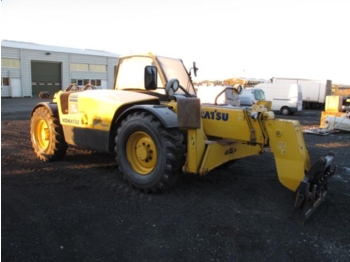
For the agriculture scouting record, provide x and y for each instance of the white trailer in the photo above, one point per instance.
(314, 91)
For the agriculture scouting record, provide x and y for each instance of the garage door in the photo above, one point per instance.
(46, 76)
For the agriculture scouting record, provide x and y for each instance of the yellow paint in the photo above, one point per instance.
(95, 109)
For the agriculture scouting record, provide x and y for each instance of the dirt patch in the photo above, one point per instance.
(81, 209)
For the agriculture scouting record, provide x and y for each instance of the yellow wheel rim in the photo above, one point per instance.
(42, 134)
(141, 153)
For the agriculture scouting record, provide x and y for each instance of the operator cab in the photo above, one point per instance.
(151, 74)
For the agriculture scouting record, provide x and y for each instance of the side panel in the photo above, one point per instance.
(280, 97)
(87, 138)
(88, 117)
(230, 123)
(311, 91)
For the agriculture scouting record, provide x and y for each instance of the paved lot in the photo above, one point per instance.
(19, 104)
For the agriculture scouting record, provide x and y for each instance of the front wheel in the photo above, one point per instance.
(47, 135)
(149, 156)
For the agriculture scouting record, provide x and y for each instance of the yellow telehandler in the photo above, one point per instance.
(157, 127)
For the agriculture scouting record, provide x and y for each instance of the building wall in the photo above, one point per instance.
(111, 72)
(26, 56)
(9, 72)
(111, 62)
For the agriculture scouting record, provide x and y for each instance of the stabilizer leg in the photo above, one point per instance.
(313, 188)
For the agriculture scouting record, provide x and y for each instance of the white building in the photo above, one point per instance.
(28, 68)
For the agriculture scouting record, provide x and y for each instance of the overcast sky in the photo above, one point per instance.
(226, 38)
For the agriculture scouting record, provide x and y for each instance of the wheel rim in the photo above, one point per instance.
(42, 134)
(141, 153)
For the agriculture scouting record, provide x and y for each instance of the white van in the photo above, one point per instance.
(251, 96)
(286, 98)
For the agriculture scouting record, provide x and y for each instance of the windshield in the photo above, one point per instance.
(174, 68)
(259, 95)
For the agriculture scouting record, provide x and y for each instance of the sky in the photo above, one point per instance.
(226, 38)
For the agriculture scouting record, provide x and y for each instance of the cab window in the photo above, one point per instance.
(131, 73)
(259, 95)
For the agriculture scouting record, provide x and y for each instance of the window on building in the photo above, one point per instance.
(80, 82)
(96, 82)
(83, 82)
(15, 63)
(5, 81)
(10, 63)
(5, 62)
(98, 68)
(79, 67)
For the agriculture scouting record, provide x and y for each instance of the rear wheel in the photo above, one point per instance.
(285, 110)
(149, 155)
(47, 135)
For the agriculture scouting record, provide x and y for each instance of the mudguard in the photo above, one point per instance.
(168, 118)
(52, 107)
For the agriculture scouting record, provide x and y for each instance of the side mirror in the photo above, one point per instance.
(151, 78)
(172, 86)
(195, 69)
(239, 89)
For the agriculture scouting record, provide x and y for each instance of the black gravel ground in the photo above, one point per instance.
(80, 208)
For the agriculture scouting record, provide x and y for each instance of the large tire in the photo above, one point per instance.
(47, 136)
(149, 156)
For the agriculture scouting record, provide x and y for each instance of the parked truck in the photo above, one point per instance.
(314, 91)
